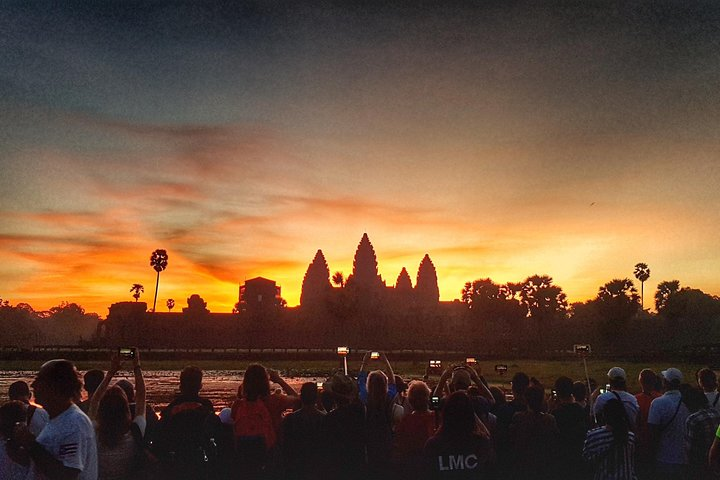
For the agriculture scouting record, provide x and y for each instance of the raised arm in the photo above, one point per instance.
(483, 389)
(275, 377)
(389, 369)
(140, 394)
(442, 383)
(115, 364)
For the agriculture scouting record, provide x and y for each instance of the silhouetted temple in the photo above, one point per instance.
(363, 310)
(366, 285)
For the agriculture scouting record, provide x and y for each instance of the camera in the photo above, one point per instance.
(582, 349)
(501, 369)
(126, 352)
(435, 364)
(343, 351)
(434, 403)
(374, 355)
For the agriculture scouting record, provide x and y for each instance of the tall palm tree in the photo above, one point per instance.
(159, 261)
(170, 304)
(338, 279)
(137, 288)
(642, 273)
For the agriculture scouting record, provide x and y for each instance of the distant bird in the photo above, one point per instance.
(593, 203)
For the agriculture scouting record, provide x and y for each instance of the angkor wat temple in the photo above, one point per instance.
(361, 310)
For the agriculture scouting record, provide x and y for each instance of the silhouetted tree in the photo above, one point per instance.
(617, 303)
(159, 261)
(138, 289)
(545, 303)
(642, 273)
(170, 304)
(663, 293)
(338, 279)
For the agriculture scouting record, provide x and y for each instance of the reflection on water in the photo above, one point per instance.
(220, 386)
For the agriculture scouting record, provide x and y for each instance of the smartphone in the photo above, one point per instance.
(435, 364)
(582, 349)
(374, 355)
(319, 385)
(501, 369)
(343, 351)
(434, 403)
(470, 361)
(126, 352)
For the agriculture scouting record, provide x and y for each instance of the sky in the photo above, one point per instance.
(504, 139)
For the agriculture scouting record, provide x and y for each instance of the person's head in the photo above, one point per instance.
(418, 396)
(498, 395)
(707, 380)
(56, 384)
(458, 416)
(343, 389)
(256, 383)
(694, 398)
(647, 380)
(615, 417)
(19, 391)
(127, 387)
(92, 380)
(564, 388)
(308, 394)
(191, 380)
(672, 378)
(377, 388)
(400, 385)
(535, 398)
(579, 391)
(460, 380)
(617, 378)
(520, 383)
(327, 400)
(113, 416)
(11, 413)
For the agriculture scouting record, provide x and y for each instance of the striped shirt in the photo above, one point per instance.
(611, 462)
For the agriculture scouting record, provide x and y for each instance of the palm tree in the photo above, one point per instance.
(339, 279)
(137, 288)
(159, 261)
(642, 273)
(170, 304)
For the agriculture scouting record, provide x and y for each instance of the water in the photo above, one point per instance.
(219, 386)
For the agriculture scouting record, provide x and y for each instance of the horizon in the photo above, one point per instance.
(569, 140)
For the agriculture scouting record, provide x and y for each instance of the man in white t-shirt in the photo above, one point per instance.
(618, 390)
(666, 421)
(66, 447)
(37, 417)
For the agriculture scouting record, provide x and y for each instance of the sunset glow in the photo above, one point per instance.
(503, 143)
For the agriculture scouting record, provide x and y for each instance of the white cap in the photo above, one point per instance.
(226, 416)
(617, 372)
(672, 375)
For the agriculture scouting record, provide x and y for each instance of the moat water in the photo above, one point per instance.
(220, 386)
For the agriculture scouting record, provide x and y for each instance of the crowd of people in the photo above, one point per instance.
(373, 426)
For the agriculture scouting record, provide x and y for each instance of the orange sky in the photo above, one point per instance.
(503, 143)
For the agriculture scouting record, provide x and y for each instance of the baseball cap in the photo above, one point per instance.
(672, 375)
(617, 372)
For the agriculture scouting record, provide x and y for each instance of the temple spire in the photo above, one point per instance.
(426, 287)
(403, 283)
(365, 267)
(316, 283)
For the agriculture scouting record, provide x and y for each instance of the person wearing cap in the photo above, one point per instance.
(66, 447)
(617, 380)
(344, 431)
(666, 420)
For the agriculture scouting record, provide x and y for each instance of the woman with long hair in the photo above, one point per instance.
(611, 448)
(119, 436)
(462, 443)
(257, 417)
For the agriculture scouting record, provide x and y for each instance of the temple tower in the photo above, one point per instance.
(316, 284)
(426, 287)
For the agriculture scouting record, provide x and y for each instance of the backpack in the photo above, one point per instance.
(186, 441)
(252, 420)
